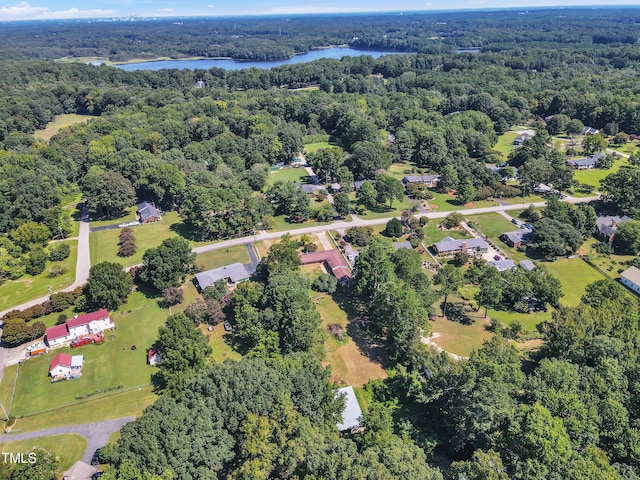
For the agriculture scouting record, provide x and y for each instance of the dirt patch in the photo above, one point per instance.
(530, 345)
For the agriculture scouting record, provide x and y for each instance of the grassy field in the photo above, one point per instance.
(444, 202)
(354, 360)
(108, 365)
(314, 147)
(574, 274)
(291, 174)
(103, 244)
(61, 121)
(383, 211)
(593, 176)
(432, 234)
(505, 143)
(493, 225)
(129, 216)
(219, 341)
(219, 258)
(281, 223)
(28, 287)
(69, 448)
(459, 339)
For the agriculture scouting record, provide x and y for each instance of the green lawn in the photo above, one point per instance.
(493, 225)
(443, 202)
(628, 148)
(505, 143)
(314, 147)
(574, 274)
(103, 244)
(28, 287)
(594, 176)
(382, 211)
(432, 234)
(110, 364)
(459, 339)
(69, 448)
(281, 223)
(289, 174)
(129, 216)
(219, 340)
(219, 258)
(61, 121)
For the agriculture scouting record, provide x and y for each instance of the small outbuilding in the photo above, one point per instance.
(502, 265)
(527, 265)
(352, 413)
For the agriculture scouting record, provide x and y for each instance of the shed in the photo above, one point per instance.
(352, 413)
(527, 265)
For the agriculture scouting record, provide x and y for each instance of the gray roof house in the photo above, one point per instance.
(148, 212)
(352, 413)
(590, 131)
(522, 138)
(450, 245)
(357, 184)
(607, 226)
(234, 273)
(405, 244)
(527, 265)
(502, 265)
(308, 188)
(428, 180)
(586, 163)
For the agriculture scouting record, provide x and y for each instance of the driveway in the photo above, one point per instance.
(97, 434)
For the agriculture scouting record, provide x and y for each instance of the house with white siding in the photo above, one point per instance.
(631, 278)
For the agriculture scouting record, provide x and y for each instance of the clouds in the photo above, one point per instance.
(26, 11)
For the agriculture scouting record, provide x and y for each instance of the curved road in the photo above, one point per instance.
(97, 434)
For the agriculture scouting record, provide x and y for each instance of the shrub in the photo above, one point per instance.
(423, 221)
(59, 252)
(310, 247)
(17, 332)
(35, 261)
(172, 296)
(452, 220)
(128, 248)
(335, 330)
(62, 300)
(394, 228)
(360, 236)
(325, 283)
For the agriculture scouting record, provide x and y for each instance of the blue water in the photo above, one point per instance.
(227, 64)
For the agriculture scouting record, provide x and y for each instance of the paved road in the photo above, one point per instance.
(97, 434)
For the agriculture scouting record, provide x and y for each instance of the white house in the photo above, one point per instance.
(352, 414)
(58, 336)
(631, 278)
(90, 323)
(65, 366)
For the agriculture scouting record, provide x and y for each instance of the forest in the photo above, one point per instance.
(570, 410)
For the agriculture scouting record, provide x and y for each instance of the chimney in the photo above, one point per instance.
(614, 223)
(464, 246)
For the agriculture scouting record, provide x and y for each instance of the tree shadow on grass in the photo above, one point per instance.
(185, 232)
(147, 290)
(367, 343)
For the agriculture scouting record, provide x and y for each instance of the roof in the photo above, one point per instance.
(307, 188)
(502, 265)
(80, 471)
(77, 361)
(607, 225)
(586, 161)
(334, 260)
(527, 265)
(88, 318)
(147, 210)
(234, 272)
(399, 245)
(632, 274)
(62, 359)
(58, 331)
(420, 178)
(356, 185)
(517, 236)
(451, 245)
(352, 411)
(590, 131)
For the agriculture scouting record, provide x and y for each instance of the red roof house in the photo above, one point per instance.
(90, 323)
(57, 336)
(65, 366)
(333, 260)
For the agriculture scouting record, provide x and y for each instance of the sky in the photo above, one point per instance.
(64, 9)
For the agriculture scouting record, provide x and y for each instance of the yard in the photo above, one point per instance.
(218, 339)
(103, 244)
(574, 274)
(288, 174)
(595, 175)
(61, 121)
(113, 364)
(494, 224)
(69, 448)
(220, 258)
(433, 234)
(314, 147)
(505, 143)
(459, 339)
(444, 202)
(354, 360)
(28, 287)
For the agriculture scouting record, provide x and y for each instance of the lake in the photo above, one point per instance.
(229, 64)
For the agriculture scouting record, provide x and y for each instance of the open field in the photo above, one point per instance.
(505, 143)
(314, 147)
(110, 365)
(129, 216)
(432, 234)
(459, 339)
(69, 448)
(444, 202)
(493, 225)
(574, 274)
(103, 244)
(220, 258)
(28, 287)
(61, 121)
(354, 361)
(121, 404)
(218, 340)
(281, 223)
(289, 174)
(320, 239)
(383, 211)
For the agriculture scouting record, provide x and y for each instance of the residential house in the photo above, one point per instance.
(517, 238)
(58, 336)
(523, 138)
(405, 244)
(449, 246)
(607, 226)
(430, 181)
(631, 278)
(233, 274)
(80, 471)
(527, 265)
(356, 185)
(147, 212)
(352, 413)
(590, 131)
(502, 265)
(92, 323)
(64, 366)
(587, 163)
(333, 261)
(307, 188)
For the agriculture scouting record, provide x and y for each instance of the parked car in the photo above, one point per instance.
(350, 257)
(227, 326)
(497, 257)
(513, 220)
